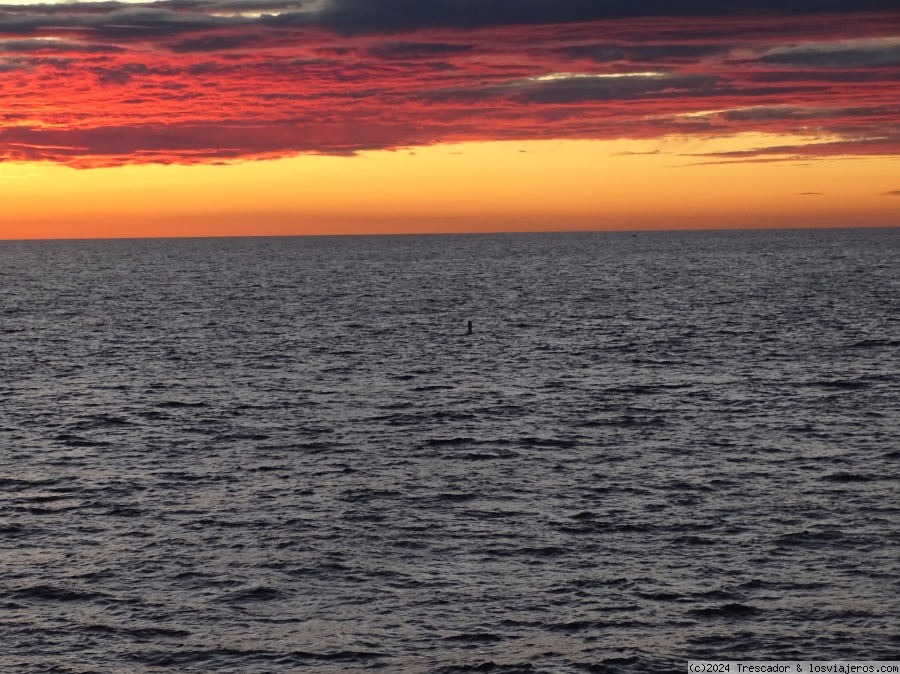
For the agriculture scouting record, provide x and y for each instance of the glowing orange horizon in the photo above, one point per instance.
(476, 187)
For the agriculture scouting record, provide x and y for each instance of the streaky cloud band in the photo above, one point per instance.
(196, 81)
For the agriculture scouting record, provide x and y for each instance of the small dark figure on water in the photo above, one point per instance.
(470, 328)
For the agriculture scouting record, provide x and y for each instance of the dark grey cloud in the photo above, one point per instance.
(200, 6)
(118, 22)
(892, 193)
(857, 75)
(566, 90)
(114, 20)
(878, 54)
(418, 50)
(175, 17)
(232, 5)
(56, 46)
(211, 43)
(572, 89)
(30, 62)
(654, 53)
(767, 114)
(804, 115)
(11, 65)
(365, 16)
(123, 73)
(886, 145)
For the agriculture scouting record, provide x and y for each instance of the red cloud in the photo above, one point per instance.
(193, 82)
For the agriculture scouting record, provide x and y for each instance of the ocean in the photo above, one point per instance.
(286, 454)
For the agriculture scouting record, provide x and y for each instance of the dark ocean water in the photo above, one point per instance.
(285, 455)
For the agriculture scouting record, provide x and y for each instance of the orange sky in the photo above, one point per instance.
(205, 118)
(542, 185)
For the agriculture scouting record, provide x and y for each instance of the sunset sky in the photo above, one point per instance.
(258, 117)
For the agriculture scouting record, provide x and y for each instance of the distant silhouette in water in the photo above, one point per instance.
(470, 328)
